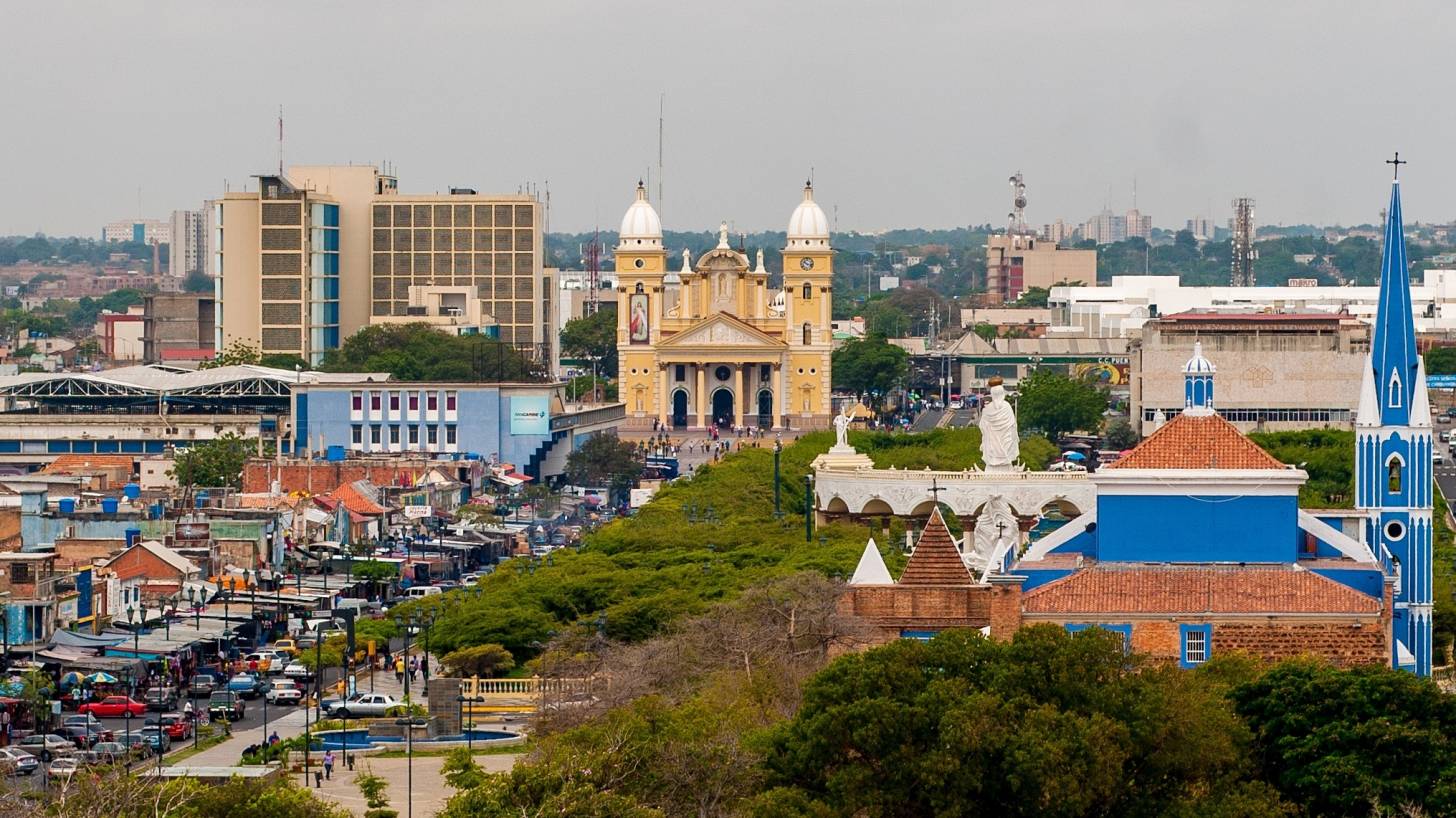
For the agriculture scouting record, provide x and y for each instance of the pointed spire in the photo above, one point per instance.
(935, 560)
(1198, 383)
(872, 569)
(1393, 351)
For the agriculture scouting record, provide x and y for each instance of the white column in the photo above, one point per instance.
(776, 386)
(662, 400)
(738, 415)
(701, 396)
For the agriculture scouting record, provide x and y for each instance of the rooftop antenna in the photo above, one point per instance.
(280, 140)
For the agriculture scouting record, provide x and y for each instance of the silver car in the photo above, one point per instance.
(46, 747)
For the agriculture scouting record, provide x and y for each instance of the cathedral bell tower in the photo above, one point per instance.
(641, 263)
(1393, 454)
(808, 271)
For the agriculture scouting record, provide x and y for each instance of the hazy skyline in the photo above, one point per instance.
(911, 115)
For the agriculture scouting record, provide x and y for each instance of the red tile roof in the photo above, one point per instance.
(355, 501)
(1140, 589)
(65, 463)
(935, 560)
(1197, 442)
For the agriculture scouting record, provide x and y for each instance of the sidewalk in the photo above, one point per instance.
(290, 720)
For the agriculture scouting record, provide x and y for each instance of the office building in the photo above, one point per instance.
(1201, 228)
(1017, 262)
(141, 231)
(1138, 226)
(1278, 371)
(178, 327)
(1105, 228)
(353, 251)
(189, 238)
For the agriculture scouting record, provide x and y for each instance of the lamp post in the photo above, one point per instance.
(428, 622)
(194, 602)
(134, 617)
(307, 739)
(408, 626)
(808, 508)
(778, 449)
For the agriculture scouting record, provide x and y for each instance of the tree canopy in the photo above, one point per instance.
(218, 462)
(592, 336)
(418, 352)
(1056, 404)
(604, 460)
(870, 365)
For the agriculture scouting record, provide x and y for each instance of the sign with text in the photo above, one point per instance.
(1441, 381)
(418, 512)
(530, 415)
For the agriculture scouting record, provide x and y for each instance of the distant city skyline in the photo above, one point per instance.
(905, 118)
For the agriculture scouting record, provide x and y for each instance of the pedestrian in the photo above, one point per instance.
(273, 739)
(329, 764)
(399, 670)
(187, 711)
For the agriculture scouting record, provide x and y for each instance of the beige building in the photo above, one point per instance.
(1017, 262)
(711, 343)
(1276, 371)
(316, 255)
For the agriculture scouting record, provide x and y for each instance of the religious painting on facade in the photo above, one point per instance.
(637, 328)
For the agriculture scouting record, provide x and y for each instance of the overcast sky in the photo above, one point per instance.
(910, 113)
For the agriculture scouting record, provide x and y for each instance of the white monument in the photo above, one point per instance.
(1000, 439)
(842, 456)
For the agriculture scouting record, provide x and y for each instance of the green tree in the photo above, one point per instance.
(235, 354)
(35, 248)
(375, 791)
(885, 320)
(1047, 724)
(1056, 404)
(592, 336)
(460, 770)
(1033, 297)
(870, 366)
(198, 282)
(419, 352)
(1367, 741)
(217, 462)
(1441, 361)
(479, 660)
(1119, 434)
(605, 460)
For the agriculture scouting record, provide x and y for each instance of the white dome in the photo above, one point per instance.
(640, 226)
(808, 227)
(1198, 365)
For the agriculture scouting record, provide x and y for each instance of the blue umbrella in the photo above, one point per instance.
(71, 679)
(101, 677)
(1074, 456)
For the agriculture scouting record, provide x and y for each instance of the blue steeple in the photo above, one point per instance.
(1393, 351)
(1198, 383)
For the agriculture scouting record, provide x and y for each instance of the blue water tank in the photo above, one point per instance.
(335, 454)
(109, 505)
(68, 505)
(132, 491)
(154, 511)
(133, 536)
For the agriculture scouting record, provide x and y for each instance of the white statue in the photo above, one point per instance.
(1000, 442)
(995, 531)
(841, 429)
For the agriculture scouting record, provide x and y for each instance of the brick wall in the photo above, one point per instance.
(1340, 643)
(1005, 607)
(74, 552)
(317, 477)
(888, 609)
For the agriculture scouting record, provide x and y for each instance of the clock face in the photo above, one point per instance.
(806, 263)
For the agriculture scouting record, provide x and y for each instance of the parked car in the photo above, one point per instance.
(247, 685)
(107, 752)
(177, 726)
(46, 746)
(63, 768)
(90, 722)
(225, 705)
(79, 735)
(201, 686)
(161, 699)
(263, 658)
(15, 762)
(156, 738)
(284, 691)
(369, 705)
(287, 646)
(136, 746)
(114, 707)
(298, 671)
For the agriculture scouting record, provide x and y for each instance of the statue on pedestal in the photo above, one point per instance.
(1000, 440)
(841, 429)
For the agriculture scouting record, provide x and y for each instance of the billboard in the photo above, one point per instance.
(418, 512)
(530, 415)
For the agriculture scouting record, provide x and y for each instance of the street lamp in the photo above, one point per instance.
(778, 449)
(195, 603)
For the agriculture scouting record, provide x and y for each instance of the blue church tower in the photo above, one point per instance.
(1393, 454)
(1198, 383)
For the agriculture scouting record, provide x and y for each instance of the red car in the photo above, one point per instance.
(178, 728)
(114, 707)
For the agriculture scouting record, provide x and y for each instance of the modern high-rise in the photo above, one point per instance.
(1016, 263)
(1105, 228)
(357, 252)
(189, 239)
(1139, 226)
(1201, 228)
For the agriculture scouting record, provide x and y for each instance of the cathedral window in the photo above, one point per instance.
(808, 333)
(1393, 468)
(808, 291)
(1393, 390)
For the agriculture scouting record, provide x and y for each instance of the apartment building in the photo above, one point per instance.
(188, 253)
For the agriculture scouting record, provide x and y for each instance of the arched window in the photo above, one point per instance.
(639, 288)
(1393, 390)
(1393, 469)
(808, 334)
(808, 291)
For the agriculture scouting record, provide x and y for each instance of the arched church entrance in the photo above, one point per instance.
(765, 409)
(723, 414)
(680, 408)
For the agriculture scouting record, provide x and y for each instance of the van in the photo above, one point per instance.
(421, 591)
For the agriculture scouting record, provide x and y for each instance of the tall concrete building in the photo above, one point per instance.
(1017, 262)
(350, 251)
(1105, 228)
(1139, 226)
(189, 240)
(1201, 228)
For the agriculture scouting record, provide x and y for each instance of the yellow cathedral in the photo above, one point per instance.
(710, 343)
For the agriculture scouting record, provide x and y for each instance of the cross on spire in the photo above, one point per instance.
(935, 490)
(1397, 162)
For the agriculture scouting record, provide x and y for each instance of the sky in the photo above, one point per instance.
(908, 114)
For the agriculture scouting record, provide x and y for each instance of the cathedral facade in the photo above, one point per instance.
(710, 343)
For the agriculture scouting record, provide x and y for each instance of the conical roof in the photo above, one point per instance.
(871, 569)
(935, 560)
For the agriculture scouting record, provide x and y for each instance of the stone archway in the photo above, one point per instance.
(680, 408)
(723, 414)
(765, 409)
(877, 507)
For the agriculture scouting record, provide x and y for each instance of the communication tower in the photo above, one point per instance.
(593, 274)
(1017, 215)
(1243, 244)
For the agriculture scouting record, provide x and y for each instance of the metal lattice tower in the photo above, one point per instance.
(593, 274)
(1243, 244)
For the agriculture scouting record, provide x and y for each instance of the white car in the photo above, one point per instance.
(1437, 457)
(284, 691)
(373, 705)
(298, 670)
